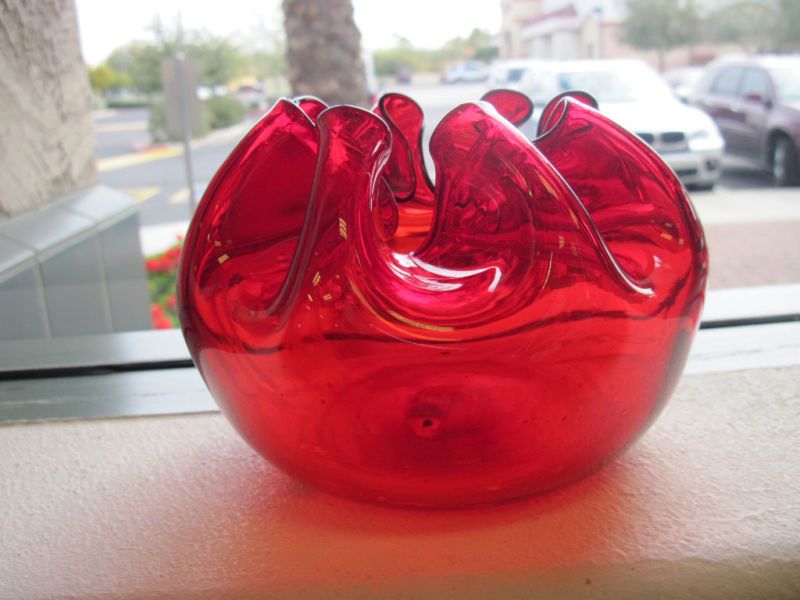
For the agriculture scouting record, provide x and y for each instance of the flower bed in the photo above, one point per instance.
(161, 272)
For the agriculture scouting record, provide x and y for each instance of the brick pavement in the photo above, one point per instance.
(753, 235)
(744, 254)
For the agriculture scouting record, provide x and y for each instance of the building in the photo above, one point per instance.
(571, 29)
(579, 29)
(516, 14)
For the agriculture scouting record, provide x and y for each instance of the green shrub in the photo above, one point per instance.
(224, 112)
(157, 124)
(218, 112)
(127, 102)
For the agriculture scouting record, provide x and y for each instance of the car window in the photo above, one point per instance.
(787, 82)
(538, 85)
(616, 85)
(515, 75)
(755, 82)
(727, 82)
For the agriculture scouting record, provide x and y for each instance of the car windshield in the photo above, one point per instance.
(787, 82)
(515, 75)
(616, 85)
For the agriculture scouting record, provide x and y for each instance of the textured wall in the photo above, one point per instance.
(47, 143)
(705, 505)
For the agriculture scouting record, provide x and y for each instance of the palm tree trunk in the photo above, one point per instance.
(323, 51)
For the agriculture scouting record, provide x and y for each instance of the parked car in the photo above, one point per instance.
(682, 80)
(509, 73)
(252, 97)
(755, 101)
(403, 75)
(468, 71)
(634, 95)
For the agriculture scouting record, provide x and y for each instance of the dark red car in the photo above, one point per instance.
(755, 101)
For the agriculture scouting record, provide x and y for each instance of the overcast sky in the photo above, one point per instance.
(106, 24)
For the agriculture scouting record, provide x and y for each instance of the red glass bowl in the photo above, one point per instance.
(510, 329)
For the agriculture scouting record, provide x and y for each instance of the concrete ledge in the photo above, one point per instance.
(705, 505)
(73, 267)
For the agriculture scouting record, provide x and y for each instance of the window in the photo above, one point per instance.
(727, 82)
(755, 84)
(787, 83)
(109, 268)
(180, 507)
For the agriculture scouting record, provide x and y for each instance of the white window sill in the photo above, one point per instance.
(705, 505)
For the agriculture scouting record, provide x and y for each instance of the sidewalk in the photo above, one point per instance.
(762, 205)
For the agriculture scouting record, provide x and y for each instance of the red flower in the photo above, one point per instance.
(159, 317)
(166, 262)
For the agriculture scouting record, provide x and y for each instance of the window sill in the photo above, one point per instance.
(177, 505)
(704, 505)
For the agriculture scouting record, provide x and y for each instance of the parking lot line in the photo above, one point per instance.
(115, 127)
(179, 197)
(137, 158)
(182, 195)
(141, 194)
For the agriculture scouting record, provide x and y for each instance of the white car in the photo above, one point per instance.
(468, 71)
(633, 95)
(509, 73)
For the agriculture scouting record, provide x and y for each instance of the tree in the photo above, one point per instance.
(402, 56)
(323, 51)
(751, 25)
(758, 25)
(141, 62)
(263, 64)
(103, 78)
(789, 26)
(476, 46)
(218, 59)
(659, 25)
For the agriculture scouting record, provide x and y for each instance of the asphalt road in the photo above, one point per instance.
(156, 177)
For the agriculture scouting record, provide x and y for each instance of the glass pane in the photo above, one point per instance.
(755, 83)
(105, 261)
(727, 82)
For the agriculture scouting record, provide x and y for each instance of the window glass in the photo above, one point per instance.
(787, 82)
(514, 75)
(727, 82)
(755, 83)
(106, 263)
(618, 84)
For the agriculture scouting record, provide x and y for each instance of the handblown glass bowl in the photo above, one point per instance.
(510, 329)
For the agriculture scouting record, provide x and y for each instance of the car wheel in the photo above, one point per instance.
(784, 162)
